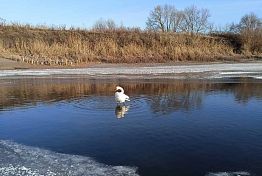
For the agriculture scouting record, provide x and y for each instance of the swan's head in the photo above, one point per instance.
(119, 89)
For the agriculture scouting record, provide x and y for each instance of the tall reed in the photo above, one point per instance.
(59, 46)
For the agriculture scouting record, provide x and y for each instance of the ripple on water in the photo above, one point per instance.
(91, 105)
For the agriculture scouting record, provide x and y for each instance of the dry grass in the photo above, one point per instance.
(252, 42)
(57, 46)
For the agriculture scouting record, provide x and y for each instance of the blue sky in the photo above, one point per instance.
(84, 13)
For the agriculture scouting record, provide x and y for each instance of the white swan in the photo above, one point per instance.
(120, 97)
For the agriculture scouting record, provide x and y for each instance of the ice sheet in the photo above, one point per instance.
(21, 160)
(241, 173)
(212, 69)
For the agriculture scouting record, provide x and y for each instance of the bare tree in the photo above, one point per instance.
(102, 25)
(168, 19)
(195, 20)
(156, 20)
(250, 22)
(164, 18)
(2, 21)
(250, 30)
(177, 19)
(233, 28)
(168, 13)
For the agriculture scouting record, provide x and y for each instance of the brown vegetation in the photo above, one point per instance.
(172, 35)
(48, 46)
(251, 42)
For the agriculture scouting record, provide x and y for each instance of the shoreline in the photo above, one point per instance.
(146, 71)
(8, 64)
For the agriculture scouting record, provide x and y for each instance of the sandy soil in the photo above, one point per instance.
(7, 64)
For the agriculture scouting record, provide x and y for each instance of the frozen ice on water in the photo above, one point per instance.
(21, 160)
(258, 77)
(238, 73)
(241, 173)
(237, 68)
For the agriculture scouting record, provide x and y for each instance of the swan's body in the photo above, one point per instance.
(120, 97)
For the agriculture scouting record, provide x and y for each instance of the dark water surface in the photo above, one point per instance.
(170, 127)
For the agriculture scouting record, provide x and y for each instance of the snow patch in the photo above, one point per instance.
(241, 173)
(258, 77)
(21, 160)
(239, 68)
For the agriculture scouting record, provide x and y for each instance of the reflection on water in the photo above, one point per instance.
(121, 111)
(170, 127)
(160, 96)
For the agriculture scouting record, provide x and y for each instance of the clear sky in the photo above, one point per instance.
(83, 13)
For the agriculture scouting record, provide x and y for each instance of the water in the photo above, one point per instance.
(72, 126)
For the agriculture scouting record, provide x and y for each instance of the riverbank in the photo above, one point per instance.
(8, 64)
(77, 48)
(251, 69)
